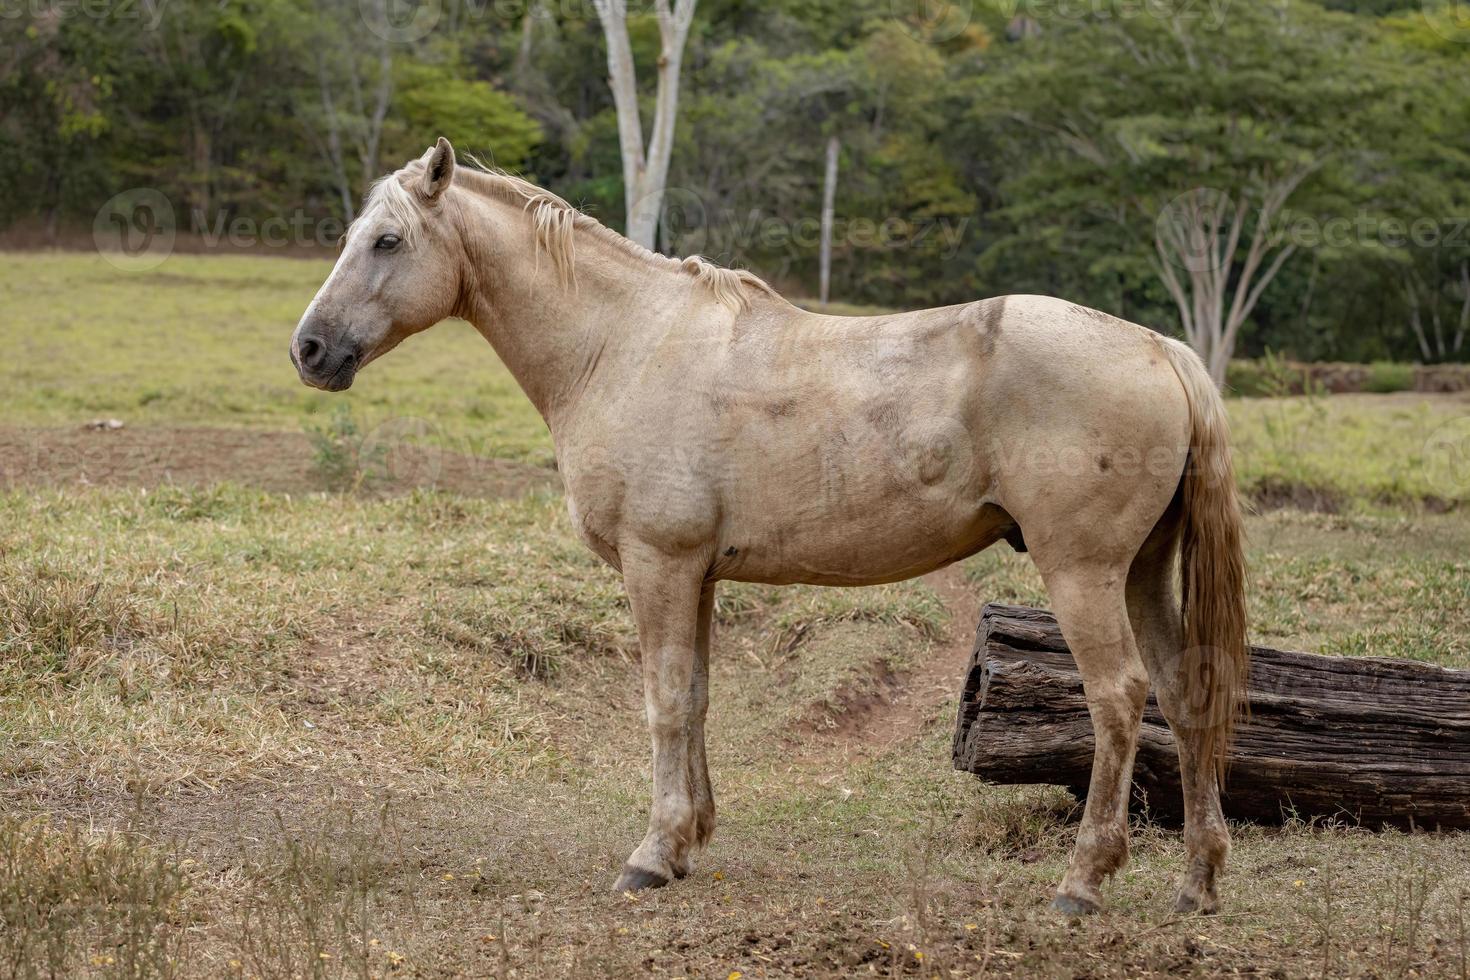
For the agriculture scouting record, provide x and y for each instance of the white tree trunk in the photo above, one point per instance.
(829, 197)
(1196, 241)
(333, 148)
(1464, 325)
(645, 170)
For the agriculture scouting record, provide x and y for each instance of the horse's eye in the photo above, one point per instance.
(387, 243)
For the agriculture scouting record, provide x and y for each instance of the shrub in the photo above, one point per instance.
(1245, 379)
(343, 458)
(1386, 376)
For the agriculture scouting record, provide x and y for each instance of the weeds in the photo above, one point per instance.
(533, 637)
(1460, 931)
(1025, 825)
(74, 903)
(343, 456)
(54, 623)
(1324, 916)
(1389, 376)
(1402, 921)
(314, 911)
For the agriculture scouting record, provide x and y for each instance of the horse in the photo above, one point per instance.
(706, 429)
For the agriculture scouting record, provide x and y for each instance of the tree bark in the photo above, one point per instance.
(645, 171)
(1368, 740)
(829, 197)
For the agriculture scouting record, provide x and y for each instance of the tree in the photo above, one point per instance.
(344, 112)
(645, 168)
(1197, 239)
(1206, 145)
(829, 195)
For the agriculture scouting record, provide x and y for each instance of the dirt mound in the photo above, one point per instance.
(282, 462)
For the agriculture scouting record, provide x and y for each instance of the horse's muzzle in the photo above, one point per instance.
(319, 366)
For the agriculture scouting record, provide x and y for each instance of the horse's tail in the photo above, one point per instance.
(1211, 563)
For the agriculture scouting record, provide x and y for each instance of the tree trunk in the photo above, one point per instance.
(1363, 739)
(645, 172)
(829, 197)
(332, 150)
(1197, 236)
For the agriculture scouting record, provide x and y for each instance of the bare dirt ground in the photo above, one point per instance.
(871, 716)
(280, 462)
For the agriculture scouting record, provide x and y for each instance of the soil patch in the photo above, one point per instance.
(282, 462)
(882, 709)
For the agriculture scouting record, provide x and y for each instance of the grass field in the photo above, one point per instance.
(249, 728)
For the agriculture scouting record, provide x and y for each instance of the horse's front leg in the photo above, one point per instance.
(666, 595)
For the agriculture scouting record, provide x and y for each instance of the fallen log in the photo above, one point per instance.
(1368, 740)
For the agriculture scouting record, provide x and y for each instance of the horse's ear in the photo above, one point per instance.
(438, 169)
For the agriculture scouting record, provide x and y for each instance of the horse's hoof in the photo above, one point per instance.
(1187, 904)
(1073, 907)
(634, 879)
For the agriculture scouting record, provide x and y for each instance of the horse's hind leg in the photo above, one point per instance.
(1154, 611)
(700, 791)
(1090, 607)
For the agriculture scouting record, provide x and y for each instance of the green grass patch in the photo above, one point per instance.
(201, 340)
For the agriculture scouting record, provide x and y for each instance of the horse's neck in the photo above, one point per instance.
(552, 335)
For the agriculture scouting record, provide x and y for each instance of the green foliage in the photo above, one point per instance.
(342, 456)
(437, 100)
(1387, 376)
(1245, 378)
(986, 148)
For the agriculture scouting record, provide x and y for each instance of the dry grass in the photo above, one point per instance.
(268, 734)
(400, 726)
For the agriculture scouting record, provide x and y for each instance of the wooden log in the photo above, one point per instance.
(1368, 740)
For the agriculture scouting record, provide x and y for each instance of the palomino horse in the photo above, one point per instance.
(706, 429)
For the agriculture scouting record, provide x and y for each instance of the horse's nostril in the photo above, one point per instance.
(311, 352)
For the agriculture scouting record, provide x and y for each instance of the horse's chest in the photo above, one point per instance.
(665, 500)
(594, 527)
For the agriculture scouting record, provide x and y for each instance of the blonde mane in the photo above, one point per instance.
(556, 223)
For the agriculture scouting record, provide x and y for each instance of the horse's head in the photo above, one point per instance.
(398, 274)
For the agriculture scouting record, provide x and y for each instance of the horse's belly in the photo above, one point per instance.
(884, 544)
